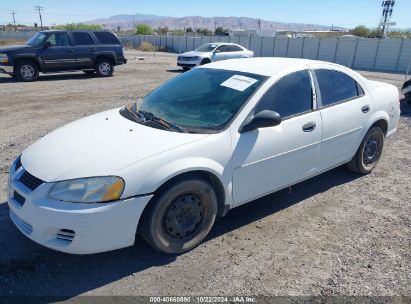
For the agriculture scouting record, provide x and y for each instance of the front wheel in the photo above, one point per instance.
(181, 216)
(205, 61)
(104, 68)
(369, 152)
(26, 71)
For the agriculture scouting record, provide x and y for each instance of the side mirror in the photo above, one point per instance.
(263, 119)
(47, 45)
(217, 51)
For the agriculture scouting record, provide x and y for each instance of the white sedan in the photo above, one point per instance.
(211, 52)
(206, 141)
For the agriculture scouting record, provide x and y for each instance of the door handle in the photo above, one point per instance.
(365, 109)
(309, 127)
(70, 50)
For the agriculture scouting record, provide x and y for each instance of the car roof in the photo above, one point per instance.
(266, 66)
(223, 43)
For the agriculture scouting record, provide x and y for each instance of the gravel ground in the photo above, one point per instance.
(335, 234)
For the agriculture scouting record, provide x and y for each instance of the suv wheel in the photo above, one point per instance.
(180, 217)
(104, 67)
(26, 71)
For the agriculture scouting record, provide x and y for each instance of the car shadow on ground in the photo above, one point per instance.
(405, 108)
(176, 70)
(30, 269)
(53, 77)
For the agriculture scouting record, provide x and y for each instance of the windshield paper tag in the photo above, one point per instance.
(239, 83)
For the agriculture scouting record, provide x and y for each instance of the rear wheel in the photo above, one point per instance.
(104, 67)
(181, 216)
(26, 71)
(369, 152)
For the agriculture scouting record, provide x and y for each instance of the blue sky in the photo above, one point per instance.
(348, 13)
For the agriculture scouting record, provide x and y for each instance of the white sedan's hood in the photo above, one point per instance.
(97, 145)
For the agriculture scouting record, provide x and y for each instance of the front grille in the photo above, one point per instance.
(18, 164)
(30, 181)
(25, 227)
(19, 199)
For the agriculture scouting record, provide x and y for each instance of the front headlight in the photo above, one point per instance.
(4, 58)
(88, 190)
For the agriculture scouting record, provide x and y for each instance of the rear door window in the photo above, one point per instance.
(82, 38)
(106, 38)
(223, 49)
(291, 95)
(336, 87)
(234, 48)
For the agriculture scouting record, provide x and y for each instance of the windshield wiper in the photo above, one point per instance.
(144, 117)
(148, 116)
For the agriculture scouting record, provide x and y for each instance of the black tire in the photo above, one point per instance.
(369, 152)
(26, 71)
(205, 61)
(89, 72)
(408, 98)
(181, 216)
(104, 67)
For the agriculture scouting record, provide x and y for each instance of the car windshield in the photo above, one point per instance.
(37, 39)
(209, 47)
(203, 99)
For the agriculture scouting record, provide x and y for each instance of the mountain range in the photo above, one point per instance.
(232, 23)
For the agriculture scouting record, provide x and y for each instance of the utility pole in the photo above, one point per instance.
(386, 14)
(39, 9)
(134, 26)
(14, 20)
(215, 27)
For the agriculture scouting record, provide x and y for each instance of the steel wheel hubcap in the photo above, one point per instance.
(370, 150)
(104, 68)
(184, 216)
(27, 71)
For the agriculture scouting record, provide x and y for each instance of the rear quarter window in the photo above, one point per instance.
(83, 38)
(106, 38)
(336, 87)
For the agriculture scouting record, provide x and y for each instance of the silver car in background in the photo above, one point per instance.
(211, 52)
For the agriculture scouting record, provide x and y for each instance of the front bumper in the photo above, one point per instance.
(188, 63)
(73, 227)
(7, 69)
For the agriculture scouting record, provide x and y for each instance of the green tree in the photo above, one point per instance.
(143, 29)
(162, 30)
(220, 30)
(78, 26)
(178, 32)
(399, 34)
(189, 30)
(204, 31)
(375, 33)
(361, 31)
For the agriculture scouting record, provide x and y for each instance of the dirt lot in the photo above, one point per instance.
(336, 234)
